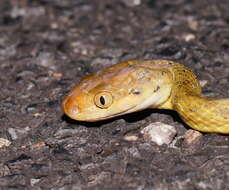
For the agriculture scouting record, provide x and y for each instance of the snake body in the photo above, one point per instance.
(138, 84)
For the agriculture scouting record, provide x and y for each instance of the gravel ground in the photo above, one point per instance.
(47, 46)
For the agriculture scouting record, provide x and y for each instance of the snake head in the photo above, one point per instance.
(117, 90)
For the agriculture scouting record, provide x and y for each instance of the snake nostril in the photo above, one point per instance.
(69, 107)
(74, 110)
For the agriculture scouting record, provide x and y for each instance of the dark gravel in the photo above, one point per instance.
(46, 46)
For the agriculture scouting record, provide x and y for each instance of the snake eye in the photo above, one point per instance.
(103, 99)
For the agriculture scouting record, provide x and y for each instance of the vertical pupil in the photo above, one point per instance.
(102, 100)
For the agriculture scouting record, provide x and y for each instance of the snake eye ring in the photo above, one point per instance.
(103, 99)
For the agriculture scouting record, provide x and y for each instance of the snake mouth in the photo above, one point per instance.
(127, 111)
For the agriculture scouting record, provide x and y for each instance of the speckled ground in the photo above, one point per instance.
(46, 46)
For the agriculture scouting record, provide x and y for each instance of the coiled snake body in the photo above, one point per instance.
(135, 85)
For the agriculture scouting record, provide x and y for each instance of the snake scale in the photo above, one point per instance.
(134, 85)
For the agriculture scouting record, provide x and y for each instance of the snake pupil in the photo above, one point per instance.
(102, 100)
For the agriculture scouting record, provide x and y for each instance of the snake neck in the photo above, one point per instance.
(204, 114)
(201, 113)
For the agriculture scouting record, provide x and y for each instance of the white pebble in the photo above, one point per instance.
(189, 37)
(33, 181)
(132, 3)
(159, 133)
(4, 142)
(203, 83)
(131, 138)
(192, 136)
(12, 133)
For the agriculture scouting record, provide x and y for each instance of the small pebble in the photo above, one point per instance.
(203, 83)
(194, 25)
(189, 37)
(4, 142)
(57, 75)
(12, 133)
(47, 60)
(15, 133)
(4, 170)
(39, 144)
(191, 137)
(133, 151)
(132, 3)
(37, 114)
(159, 133)
(33, 181)
(17, 12)
(54, 25)
(131, 138)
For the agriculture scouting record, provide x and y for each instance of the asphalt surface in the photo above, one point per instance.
(47, 46)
